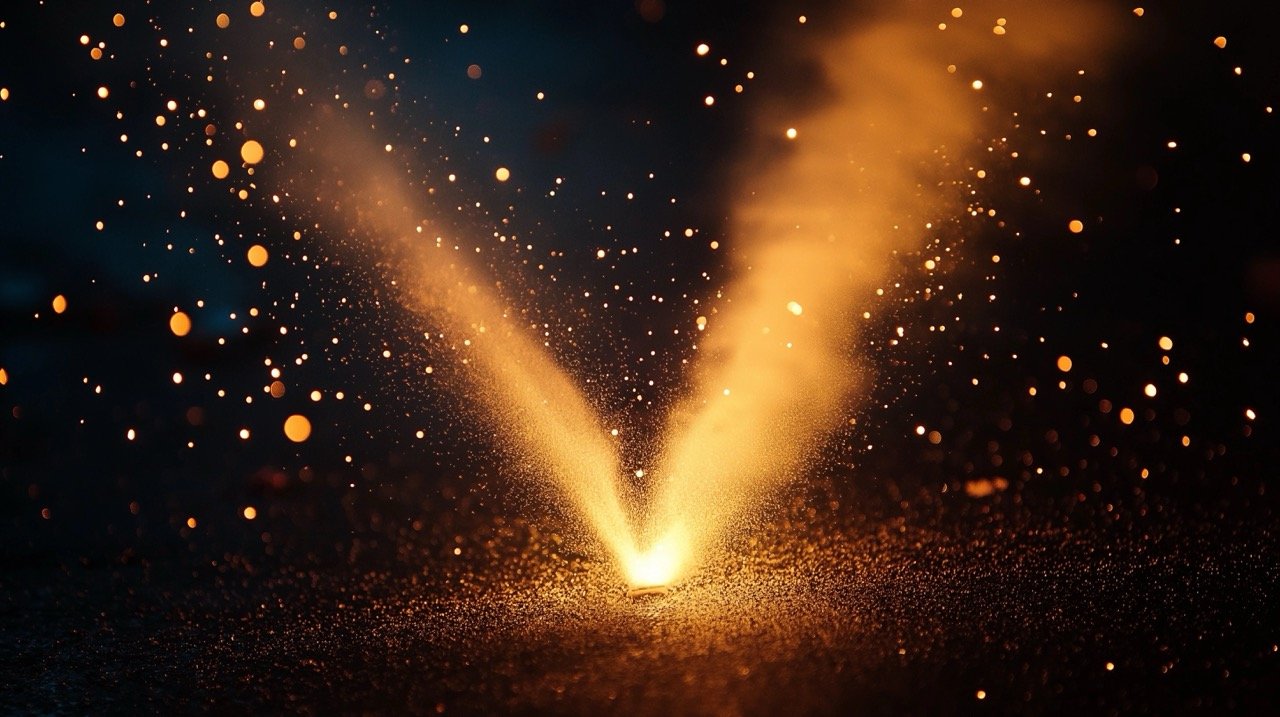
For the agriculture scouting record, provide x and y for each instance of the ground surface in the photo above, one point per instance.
(963, 606)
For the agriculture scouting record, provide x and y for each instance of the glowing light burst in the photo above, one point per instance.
(661, 564)
(815, 232)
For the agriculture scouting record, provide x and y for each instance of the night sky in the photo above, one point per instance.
(1062, 501)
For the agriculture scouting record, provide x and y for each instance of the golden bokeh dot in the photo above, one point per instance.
(117, 20)
(223, 20)
(221, 169)
(1126, 416)
(249, 512)
(1166, 343)
(251, 152)
(256, 9)
(59, 304)
(502, 174)
(180, 324)
(4, 377)
(297, 428)
(1064, 363)
(299, 42)
(1076, 226)
(257, 255)
(103, 92)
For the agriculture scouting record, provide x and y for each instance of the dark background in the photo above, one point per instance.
(111, 602)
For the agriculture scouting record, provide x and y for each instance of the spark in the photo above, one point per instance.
(297, 428)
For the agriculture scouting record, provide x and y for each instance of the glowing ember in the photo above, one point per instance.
(180, 324)
(297, 428)
(251, 152)
(257, 255)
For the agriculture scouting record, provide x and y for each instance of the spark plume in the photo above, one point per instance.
(814, 232)
(540, 412)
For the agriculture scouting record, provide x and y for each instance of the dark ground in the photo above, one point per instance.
(876, 606)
